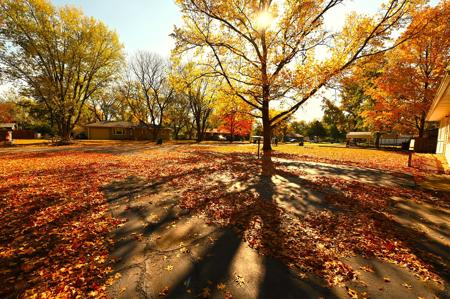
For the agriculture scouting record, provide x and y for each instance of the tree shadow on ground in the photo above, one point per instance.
(373, 176)
(436, 254)
(214, 264)
(260, 221)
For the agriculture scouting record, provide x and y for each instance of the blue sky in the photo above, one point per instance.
(141, 24)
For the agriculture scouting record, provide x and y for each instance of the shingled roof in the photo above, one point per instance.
(112, 124)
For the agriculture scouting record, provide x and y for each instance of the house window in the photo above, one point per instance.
(118, 131)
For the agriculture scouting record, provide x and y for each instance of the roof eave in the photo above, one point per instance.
(433, 114)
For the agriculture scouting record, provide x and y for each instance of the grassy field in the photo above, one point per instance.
(335, 153)
(31, 141)
(331, 152)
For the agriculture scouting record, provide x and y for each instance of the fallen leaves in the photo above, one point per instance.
(375, 159)
(408, 286)
(55, 221)
(169, 268)
(352, 293)
(367, 269)
(164, 292)
(317, 241)
(239, 280)
(206, 293)
(55, 216)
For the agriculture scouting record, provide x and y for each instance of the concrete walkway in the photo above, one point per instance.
(162, 250)
(165, 251)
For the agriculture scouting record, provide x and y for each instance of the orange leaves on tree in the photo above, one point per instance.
(410, 75)
(236, 123)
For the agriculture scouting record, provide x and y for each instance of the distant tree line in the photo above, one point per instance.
(68, 70)
(318, 130)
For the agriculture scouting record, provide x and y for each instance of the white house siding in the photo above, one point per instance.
(441, 134)
(443, 144)
(440, 111)
(447, 142)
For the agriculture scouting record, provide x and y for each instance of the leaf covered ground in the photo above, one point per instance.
(55, 236)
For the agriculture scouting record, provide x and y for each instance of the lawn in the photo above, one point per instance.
(28, 142)
(339, 154)
(92, 219)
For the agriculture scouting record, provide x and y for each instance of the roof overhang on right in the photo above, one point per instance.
(440, 107)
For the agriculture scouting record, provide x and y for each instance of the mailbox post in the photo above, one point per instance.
(410, 152)
(259, 144)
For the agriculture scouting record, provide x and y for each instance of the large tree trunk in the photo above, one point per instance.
(64, 132)
(190, 131)
(421, 126)
(267, 166)
(176, 132)
(158, 128)
(267, 134)
(199, 136)
(199, 130)
(231, 135)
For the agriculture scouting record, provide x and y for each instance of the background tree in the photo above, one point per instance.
(106, 104)
(347, 114)
(201, 93)
(257, 129)
(27, 113)
(7, 112)
(237, 123)
(265, 50)
(201, 98)
(233, 114)
(61, 56)
(281, 129)
(410, 76)
(179, 117)
(335, 121)
(151, 92)
(316, 129)
(298, 127)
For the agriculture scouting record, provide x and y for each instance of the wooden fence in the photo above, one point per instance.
(425, 145)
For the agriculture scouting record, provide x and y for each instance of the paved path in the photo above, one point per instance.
(164, 251)
(362, 174)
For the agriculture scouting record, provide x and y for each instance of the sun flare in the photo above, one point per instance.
(264, 20)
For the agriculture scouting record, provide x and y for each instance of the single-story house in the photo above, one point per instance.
(125, 130)
(440, 112)
(216, 134)
(8, 126)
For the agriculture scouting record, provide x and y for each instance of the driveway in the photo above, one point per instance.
(164, 250)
